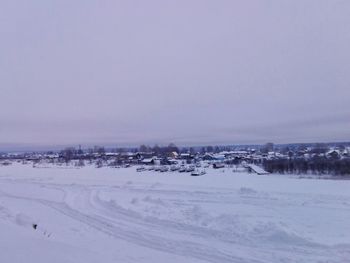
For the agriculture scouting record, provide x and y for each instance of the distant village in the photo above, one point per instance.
(319, 158)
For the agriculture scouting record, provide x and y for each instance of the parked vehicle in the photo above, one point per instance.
(195, 173)
(198, 173)
(190, 169)
(140, 169)
(164, 169)
(174, 168)
(218, 165)
(182, 169)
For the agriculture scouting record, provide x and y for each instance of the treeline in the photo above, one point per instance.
(316, 165)
(70, 153)
(159, 150)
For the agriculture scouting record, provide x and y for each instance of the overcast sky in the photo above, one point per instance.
(190, 72)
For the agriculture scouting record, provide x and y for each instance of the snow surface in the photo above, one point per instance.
(119, 215)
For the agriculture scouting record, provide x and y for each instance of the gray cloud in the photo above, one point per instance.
(185, 71)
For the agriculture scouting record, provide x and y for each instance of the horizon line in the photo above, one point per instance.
(23, 147)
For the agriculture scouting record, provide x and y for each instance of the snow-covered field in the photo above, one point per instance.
(118, 215)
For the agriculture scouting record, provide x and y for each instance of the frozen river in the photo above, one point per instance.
(119, 215)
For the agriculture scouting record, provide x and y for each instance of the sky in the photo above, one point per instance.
(192, 72)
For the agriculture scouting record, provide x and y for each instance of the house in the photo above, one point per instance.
(219, 157)
(186, 156)
(231, 154)
(335, 154)
(208, 157)
(174, 155)
(218, 165)
(148, 161)
(172, 161)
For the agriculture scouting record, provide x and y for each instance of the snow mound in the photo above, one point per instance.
(247, 191)
(156, 201)
(278, 233)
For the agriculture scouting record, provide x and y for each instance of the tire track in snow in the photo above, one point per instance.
(116, 229)
(121, 229)
(82, 203)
